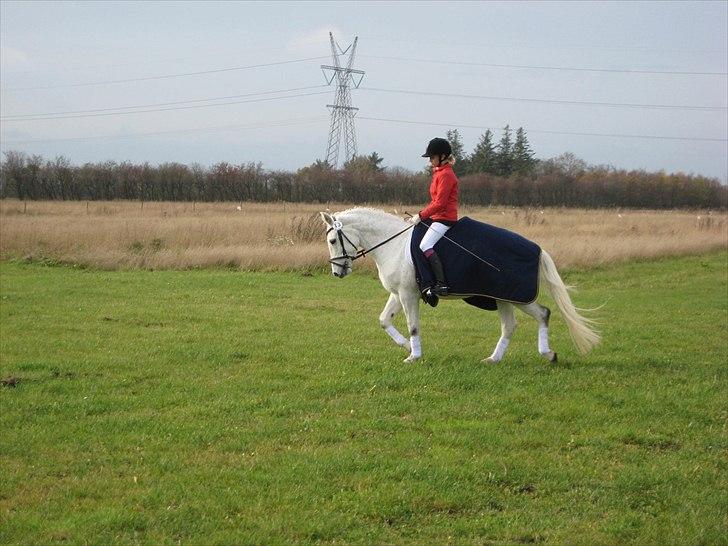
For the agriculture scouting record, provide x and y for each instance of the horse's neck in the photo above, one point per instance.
(369, 227)
(371, 234)
(373, 231)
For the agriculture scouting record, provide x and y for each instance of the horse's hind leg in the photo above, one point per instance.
(542, 315)
(508, 326)
(392, 307)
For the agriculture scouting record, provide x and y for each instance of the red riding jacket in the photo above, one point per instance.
(444, 194)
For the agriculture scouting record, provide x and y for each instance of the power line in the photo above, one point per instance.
(318, 119)
(165, 76)
(243, 51)
(168, 109)
(579, 47)
(148, 108)
(278, 123)
(553, 101)
(12, 116)
(321, 119)
(543, 67)
(572, 133)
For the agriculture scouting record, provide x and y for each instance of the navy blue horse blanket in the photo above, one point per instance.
(512, 275)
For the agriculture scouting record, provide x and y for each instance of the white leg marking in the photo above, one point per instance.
(398, 338)
(500, 350)
(543, 340)
(411, 303)
(541, 314)
(416, 347)
(391, 308)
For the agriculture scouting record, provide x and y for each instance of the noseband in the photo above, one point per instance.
(339, 228)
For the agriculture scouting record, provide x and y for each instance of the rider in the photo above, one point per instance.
(442, 210)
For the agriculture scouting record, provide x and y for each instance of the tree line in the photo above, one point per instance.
(488, 176)
(507, 157)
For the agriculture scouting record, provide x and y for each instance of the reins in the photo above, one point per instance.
(338, 227)
(473, 254)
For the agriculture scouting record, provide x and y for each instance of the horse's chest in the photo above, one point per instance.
(387, 281)
(394, 279)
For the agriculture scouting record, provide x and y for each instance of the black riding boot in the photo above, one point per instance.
(430, 298)
(440, 288)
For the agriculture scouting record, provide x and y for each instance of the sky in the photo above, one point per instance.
(183, 82)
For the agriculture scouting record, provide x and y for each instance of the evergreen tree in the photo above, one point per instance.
(364, 163)
(461, 161)
(483, 158)
(375, 159)
(523, 158)
(319, 164)
(504, 157)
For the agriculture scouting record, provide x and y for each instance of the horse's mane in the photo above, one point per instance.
(368, 215)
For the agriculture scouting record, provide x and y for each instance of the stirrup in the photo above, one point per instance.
(430, 298)
(440, 290)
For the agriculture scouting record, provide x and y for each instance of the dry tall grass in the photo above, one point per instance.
(279, 236)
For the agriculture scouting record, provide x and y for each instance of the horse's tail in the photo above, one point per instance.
(581, 329)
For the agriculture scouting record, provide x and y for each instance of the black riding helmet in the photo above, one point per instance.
(438, 146)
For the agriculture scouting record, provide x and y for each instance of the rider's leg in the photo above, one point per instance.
(432, 236)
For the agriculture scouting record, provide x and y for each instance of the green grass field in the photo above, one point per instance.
(269, 408)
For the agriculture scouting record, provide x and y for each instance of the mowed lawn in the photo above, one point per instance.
(220, 407)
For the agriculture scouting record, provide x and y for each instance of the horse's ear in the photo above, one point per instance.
(327, 218)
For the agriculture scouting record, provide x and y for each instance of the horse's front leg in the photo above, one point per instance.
(411, 303)
(392, 307)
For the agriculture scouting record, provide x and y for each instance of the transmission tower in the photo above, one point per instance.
(342, 112)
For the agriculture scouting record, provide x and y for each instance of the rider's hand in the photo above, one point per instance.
(414, 220)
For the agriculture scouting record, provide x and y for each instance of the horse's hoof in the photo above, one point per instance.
(489, 360)
(550, 356)
(410, 359)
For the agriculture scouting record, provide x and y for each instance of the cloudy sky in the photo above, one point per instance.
(238, 82)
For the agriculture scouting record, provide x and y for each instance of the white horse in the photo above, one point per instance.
(351, 233)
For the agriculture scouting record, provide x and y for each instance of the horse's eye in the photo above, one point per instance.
(332, 241)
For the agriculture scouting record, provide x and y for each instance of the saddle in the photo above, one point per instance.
(482, 263)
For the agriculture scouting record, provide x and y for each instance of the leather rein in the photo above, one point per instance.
(360, 253)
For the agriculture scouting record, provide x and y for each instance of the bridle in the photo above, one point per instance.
(338, 227)
(358, 253)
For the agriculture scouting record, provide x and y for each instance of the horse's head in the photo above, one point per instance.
(343, 244)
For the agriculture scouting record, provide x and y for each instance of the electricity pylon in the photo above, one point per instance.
(342, 112)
